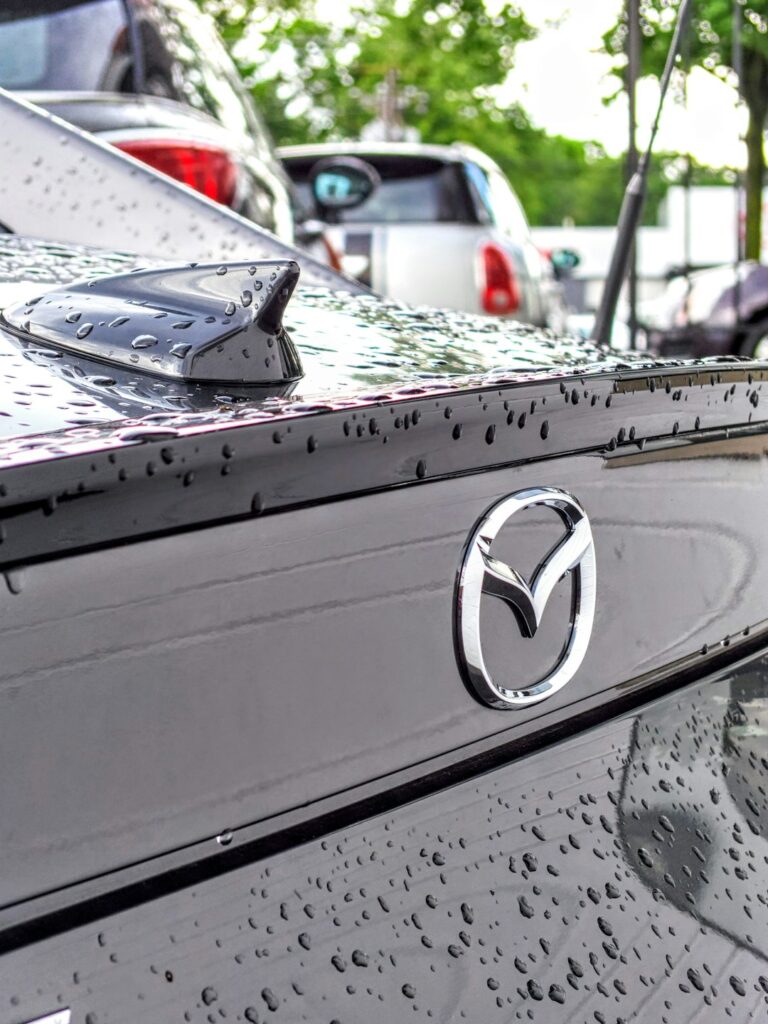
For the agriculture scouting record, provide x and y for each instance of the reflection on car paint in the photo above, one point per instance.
(615, 876)
(355, 349)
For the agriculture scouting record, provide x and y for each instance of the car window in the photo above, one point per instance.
(401, 199)
(412, 190)
(496, 201)
(61, 44)
(480, 189)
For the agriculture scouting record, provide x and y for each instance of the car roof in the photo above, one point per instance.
(454, 153)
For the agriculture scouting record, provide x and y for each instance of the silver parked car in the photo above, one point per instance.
(443, 227)
(152, 78)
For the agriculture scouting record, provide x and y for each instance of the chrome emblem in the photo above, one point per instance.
(481, 573)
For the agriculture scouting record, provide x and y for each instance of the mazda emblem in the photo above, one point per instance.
(481, 573)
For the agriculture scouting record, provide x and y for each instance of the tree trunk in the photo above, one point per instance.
(754, 89)
(754, 183)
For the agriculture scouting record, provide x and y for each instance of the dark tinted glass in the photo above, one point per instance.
(412, 190)
(65, 45)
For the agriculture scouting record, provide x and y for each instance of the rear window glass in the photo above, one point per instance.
(497, 203)
(64, 45)
(411, 191)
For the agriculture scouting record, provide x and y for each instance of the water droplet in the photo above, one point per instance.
(695, 979)
(645, 857)
(144, 341)
(738, 985)
(535, 990)
(525, 907)
(13, 580)
(557, 993)
(270, 999)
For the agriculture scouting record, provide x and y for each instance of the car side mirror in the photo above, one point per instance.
(341, 183)
(565, 260)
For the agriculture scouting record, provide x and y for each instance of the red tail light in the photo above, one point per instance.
(501, 293)
(205, 168)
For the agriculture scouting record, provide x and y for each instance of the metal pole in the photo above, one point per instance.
(632, 206)
(633, 71)
(685, 60)
(736, 60)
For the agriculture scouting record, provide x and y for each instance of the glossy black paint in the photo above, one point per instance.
(615, 876)
(281, 640)
(357, 351)
(138, 477)
(220, 323)
(254, 667)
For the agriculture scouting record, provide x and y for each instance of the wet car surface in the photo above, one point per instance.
(246, 768)
(615, 875)
(348, 346)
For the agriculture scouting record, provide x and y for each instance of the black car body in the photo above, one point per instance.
(249, 769)
(153, 79)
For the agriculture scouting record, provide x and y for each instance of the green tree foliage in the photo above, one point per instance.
(559, 179)
(316, 80)
(710, 44)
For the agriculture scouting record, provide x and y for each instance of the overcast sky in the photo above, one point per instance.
(561, 80)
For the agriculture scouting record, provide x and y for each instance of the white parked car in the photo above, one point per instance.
(442, 227)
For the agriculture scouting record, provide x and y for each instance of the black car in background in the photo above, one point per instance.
(151, 77)
(717, 311)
